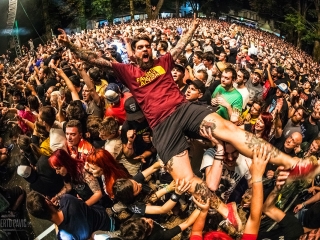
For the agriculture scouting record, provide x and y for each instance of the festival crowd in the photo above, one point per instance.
(165, 129)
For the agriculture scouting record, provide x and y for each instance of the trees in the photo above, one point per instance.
(153, 10)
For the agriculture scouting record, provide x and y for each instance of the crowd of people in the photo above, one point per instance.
(126, 128)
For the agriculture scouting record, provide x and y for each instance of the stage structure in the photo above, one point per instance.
(12, 25)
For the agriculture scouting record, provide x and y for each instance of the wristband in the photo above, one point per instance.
(175, 197)
(257, 181)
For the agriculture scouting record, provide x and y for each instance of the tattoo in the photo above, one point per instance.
(182, 153)
(169, 165)
(215, 201)
(182, 43)
(89, 56)
(208, 124)
(252, 141)
(202, 191)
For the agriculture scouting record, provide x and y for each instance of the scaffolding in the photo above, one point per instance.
(12, 26)
(16, 40)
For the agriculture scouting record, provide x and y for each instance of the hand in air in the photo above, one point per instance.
(63, 38)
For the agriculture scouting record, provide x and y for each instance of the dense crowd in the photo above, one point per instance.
(127, 128)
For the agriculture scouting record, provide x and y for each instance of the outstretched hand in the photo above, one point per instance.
(63, 38)
(261, 156)
(196, 21)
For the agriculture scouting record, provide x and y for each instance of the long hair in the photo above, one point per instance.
(111, 169)
(60, 158)
(268, 121)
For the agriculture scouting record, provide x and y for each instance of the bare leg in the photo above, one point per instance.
(180, 168)
(244, 141)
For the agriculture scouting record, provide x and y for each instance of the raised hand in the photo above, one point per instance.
(196, 21)
(207, 133)
(204, 206)
(235, 116)
(63, 38)
(259, 161)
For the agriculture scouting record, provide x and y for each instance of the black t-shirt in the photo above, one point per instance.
(139, 207)
(289, 229)
(309, 131)
(311, 217)
(217, 50)
(272, 102)
(214, 85)
(306, 99)
(45, 180)
(80, 220)
(139, 145)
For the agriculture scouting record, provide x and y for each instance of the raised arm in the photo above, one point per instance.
(95, 96)
(88, 56)
(181, 187)
(260, 159)
(182, 43)
(269, 207)
(74, 93)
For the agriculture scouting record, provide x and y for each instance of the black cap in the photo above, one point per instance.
(198, 84)
(180, 67)
(133, 110)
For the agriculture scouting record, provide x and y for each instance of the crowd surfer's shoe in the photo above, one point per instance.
(233, 216)
(304, 167)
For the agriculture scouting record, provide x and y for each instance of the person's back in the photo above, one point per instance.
(80, 220)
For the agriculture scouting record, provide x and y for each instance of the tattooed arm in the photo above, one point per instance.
(175, 52)
(87, 56)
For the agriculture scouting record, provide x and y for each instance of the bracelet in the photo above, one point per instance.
(257, 181)
(303, 205)
(175, 197)
(167, 188)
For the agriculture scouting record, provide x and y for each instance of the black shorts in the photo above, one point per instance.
(169, 136)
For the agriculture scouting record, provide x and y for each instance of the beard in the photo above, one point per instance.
(145, 65)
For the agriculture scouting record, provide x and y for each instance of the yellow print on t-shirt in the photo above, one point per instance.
(151, 75)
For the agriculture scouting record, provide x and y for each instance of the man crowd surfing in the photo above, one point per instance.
(165, 129)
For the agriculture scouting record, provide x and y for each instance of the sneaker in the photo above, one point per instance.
(304, 167)
(233, 216)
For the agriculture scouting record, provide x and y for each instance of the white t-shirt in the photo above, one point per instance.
(57, 137)
(245, 95)
(231, 176)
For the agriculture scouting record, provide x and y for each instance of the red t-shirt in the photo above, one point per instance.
(245, 236)
(118, 111)
(155, 90)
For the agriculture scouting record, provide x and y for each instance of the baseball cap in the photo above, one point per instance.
(221, 66)
(180, 67)
(24, 171)
(259, 71)
(112, 93)
(133, 110)
(198, 85)
(283, 87)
